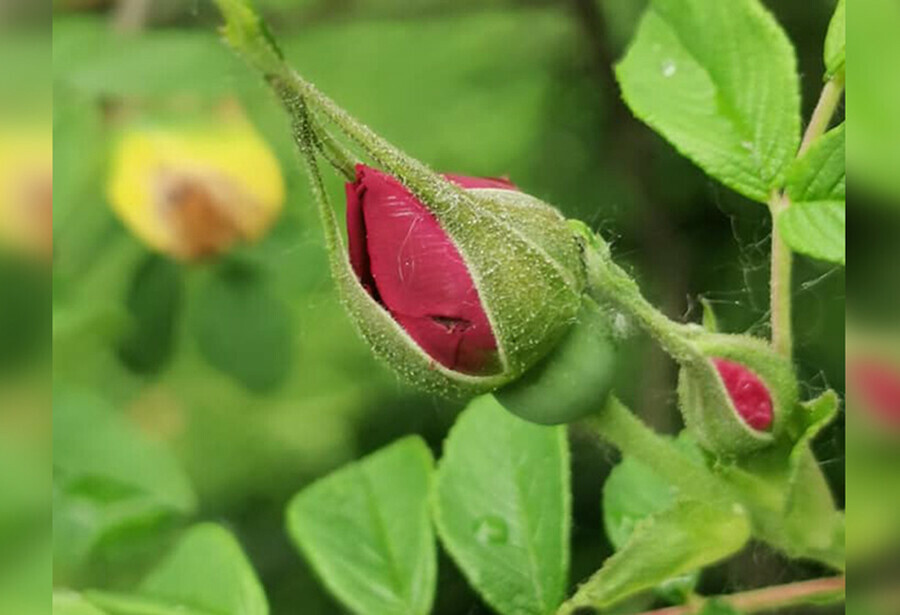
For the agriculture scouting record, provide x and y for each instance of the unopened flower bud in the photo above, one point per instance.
(737, 394)
(477, 295)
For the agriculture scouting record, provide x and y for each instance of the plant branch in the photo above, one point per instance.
(824, 111)
(818, 591)
(620, 427)
(782, 258)
(782, 261)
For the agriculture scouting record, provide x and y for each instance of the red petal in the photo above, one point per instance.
(748, 393)
(417, 273)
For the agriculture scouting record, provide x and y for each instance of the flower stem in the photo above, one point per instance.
(780, 282)
(782, 258)
(620, 427)
(611, 285)
(818, 591)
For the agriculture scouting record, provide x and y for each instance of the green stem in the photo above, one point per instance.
(611, 285)
(782, 258)
(824, 111)
(818, 591)
(620, 427)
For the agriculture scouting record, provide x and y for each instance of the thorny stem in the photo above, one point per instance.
(782, 258)
(817, 591)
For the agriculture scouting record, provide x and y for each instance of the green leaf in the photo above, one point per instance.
(502, 507)
(154, 302)
(242, 329)
(686, 537)
(819, 174)
(206, 573)
(108, 478)
(816, 228)
(836, 41)
(366, 531)
(719, 81)
(66, 602)
(810, 509)
(633, 493)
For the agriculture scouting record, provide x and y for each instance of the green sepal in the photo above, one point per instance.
(707, 407)
(523, 257)
(571, 382)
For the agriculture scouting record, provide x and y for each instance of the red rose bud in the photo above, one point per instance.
(749, 395)
(738, 395)
(410, 266)
(480, 298)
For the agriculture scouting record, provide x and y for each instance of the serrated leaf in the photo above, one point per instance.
(820, 173)
(206, 574)
(719, 81)
(366, 531)
(816, 228)
(242, 328)
(502, 507)
(836, 41)
(686, 537)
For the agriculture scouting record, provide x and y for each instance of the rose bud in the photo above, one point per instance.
(194, 191)
(738, 394)
(474, 295)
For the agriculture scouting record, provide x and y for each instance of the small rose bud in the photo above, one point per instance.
(195, 191)
(738, 395)
(479, 298)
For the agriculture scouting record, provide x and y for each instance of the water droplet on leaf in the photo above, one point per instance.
(491, 530)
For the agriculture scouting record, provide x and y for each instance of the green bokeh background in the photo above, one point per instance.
(248, 369)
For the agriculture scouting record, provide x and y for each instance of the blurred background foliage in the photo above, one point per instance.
(218, 389)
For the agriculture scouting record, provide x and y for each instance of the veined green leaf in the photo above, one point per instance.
(719, 81)
(502, 507)
(366, 531)
(815, 228)
(686, 537)
(819, 174)
(836, 41)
